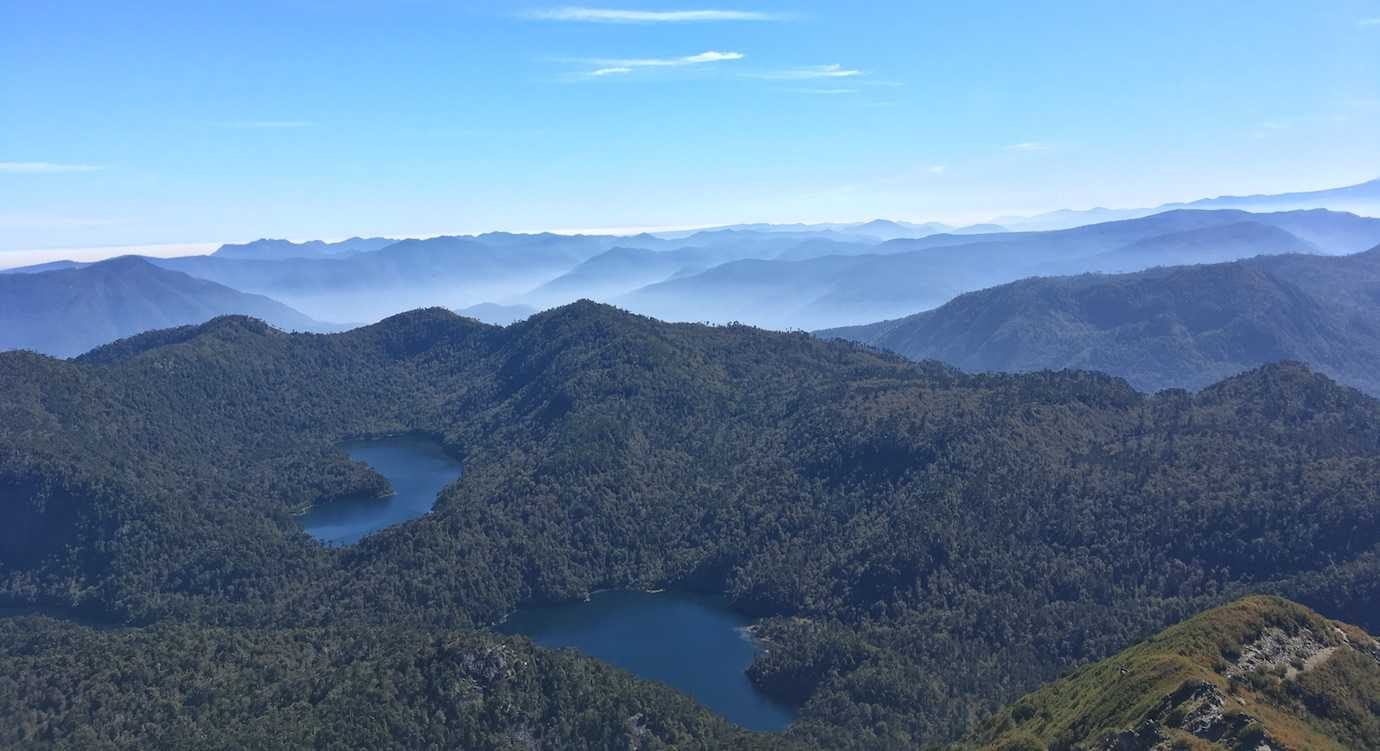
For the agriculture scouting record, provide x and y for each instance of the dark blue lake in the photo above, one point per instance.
(691, 642)
(418, 469)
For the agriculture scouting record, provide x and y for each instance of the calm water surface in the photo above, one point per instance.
(691, 642)
(418, 469)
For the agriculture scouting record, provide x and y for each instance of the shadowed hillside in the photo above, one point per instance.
(68, 311)
(1171, 327)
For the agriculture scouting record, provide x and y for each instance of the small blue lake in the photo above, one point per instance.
(416, 466)
(691, 642)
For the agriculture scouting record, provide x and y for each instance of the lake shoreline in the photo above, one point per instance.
(414, 467)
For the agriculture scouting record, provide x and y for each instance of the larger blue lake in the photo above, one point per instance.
(416, 466)
(691, 642)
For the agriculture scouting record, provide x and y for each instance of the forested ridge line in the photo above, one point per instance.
(925, 545)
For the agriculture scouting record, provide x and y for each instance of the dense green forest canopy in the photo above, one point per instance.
(924, 545)
(181, 687)
(1174, 326)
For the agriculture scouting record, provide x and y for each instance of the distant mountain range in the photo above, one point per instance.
(876, 230)
(622, 270)
(1184, 326)
(904, 276)
(266, 250)
(1362, 198)
(366, 286)
(806, 276)
(498, 315)
(66, 312)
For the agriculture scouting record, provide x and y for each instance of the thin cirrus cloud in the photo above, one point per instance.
(605, 67)
(711, 56)
(809, 72)
(46, 168)
(1369, 21)
(615, 15)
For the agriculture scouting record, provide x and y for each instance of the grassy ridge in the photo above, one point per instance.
(1326, 696)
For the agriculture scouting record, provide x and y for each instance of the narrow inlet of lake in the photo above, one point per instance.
(691, 642)
(416, 466)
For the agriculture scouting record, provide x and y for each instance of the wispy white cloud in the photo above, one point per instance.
(712, 56)
(1029, 146)
(1369, 22)
(621, 66)
(264, 124)
(808, 72)
(823, 92)
(45, 168)
(615, 15)
(936, 169)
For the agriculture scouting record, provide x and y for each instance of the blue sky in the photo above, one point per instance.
(180, 122)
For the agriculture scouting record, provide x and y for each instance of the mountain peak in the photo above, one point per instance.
(67, 312)
(122, 264)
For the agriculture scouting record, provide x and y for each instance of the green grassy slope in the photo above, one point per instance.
(1261, 670)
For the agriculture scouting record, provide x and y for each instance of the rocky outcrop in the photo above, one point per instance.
(1276, 651)
(1197, 708)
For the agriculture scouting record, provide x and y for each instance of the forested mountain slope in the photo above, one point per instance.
(924, 545)
(1167, 327)
(65, 312)
(191, 687)
(1259, 673)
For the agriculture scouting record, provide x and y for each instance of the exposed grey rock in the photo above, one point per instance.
(1276, 650)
